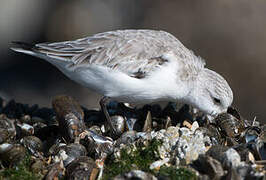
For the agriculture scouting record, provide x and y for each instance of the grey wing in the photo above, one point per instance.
(134, 52)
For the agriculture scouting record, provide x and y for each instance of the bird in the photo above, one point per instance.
(138, 66)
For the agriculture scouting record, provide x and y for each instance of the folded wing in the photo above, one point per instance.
(134, 52)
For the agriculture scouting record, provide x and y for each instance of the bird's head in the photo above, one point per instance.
(210, 93)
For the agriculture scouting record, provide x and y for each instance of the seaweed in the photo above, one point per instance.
(140, 159)
(20, 171)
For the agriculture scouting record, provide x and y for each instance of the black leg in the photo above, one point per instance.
(103, 103)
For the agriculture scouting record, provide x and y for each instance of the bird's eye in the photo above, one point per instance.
(217, 101)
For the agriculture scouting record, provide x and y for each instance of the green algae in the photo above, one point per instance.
(140, 159)
(176, 174)
(20, 171)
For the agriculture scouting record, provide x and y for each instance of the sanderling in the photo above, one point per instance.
(137, 66)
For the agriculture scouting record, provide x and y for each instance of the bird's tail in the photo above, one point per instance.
(23, 47)
(40, 52)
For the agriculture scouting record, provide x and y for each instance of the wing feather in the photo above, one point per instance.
(134, 52)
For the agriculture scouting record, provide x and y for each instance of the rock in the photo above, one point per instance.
(231, 158)
(135, 174)
(210, 166)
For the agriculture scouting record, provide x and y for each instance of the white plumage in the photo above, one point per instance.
(138, 66)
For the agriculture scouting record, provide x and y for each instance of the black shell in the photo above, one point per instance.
(229, 125)
(12, 155)
(82, 168)
(70, 117)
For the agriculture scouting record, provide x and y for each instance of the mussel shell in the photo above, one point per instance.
(90, 145)
(12, 155)
(230, 142)
(24, 129)
(64, 105)
(82, 168)
(33, 144)
(229, 125)
(226, 156)
(104, 149)
(217, 152)
(96, 129)
(4, 135)
(118, 123)
(5, 147)
(131, 123)
(254, 149)
(231, 110)
(74, 127)
(7, 129)
(54, 149)
(70, 152)
(138, 175)
(250, 134)
(260, 145)
(70, 116)
(243, 151)
(97, 143)
(148, 123)
(127, 138)
(56, 171)
(208, 165)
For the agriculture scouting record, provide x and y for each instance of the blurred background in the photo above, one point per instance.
(229, 35)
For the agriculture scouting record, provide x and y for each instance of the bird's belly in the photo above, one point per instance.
(89, 79)
(115, 84)
(119, 86)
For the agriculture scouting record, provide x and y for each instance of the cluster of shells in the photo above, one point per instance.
(69, 141)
